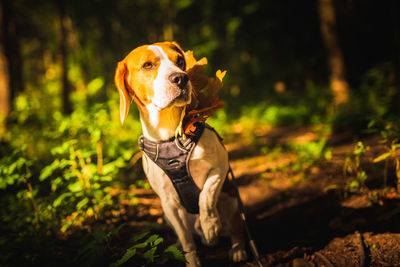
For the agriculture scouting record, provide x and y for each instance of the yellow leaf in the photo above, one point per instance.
(205, 100)
(382, 157)
(220, 74)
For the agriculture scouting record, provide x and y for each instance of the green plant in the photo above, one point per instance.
(390, 133)
(352, 167)
(14, 168)
(145, 252)
(93, 253)
(145, 249)
(80, 186)
(309, 154)
(15, 172)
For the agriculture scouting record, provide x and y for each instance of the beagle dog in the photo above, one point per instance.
(154, 76)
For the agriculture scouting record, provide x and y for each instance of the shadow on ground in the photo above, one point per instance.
(313, 221)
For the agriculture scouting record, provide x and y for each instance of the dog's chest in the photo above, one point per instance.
(208, 154)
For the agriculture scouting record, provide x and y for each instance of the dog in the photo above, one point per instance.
(155, 77)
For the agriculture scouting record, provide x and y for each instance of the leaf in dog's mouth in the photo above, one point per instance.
(205, 99)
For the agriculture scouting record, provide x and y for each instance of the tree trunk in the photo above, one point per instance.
(12, 48)
(168, 27)
(62, 49)
(5, 90)
(338, 80)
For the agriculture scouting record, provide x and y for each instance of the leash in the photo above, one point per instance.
(252, 244)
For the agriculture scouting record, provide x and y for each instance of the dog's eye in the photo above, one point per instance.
(180, 62)
(147, 65)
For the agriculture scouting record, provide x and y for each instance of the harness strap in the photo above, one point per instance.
(173, 156)
(252, 244)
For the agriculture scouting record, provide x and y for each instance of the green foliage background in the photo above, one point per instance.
(60, 172)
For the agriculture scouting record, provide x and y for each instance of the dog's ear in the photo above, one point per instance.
(177, 45)
(124, 99)
(180, 50)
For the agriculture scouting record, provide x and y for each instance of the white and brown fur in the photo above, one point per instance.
(147, 75)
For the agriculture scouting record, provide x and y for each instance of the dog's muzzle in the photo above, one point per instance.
(181, 81)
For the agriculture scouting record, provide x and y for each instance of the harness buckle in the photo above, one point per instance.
(141, 143)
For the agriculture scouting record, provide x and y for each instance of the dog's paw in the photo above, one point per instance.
(205, 243)
(211, 227)
(238, 253)
(192, 260)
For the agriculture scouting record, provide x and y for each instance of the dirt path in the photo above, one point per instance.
(303, 220)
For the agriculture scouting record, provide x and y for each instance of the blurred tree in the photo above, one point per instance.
(338, 79)
(170, 14)
(11, 49)
(62, 48)
(5, 92)
(12, 46)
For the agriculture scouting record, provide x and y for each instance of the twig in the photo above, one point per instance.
(136, 157)
(99, 150)
(35, 208)
(362, 248)
(325, 259)
(385, 173)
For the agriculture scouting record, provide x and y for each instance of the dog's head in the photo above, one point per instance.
(153, 75)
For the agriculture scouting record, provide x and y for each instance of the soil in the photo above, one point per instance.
(307, 218)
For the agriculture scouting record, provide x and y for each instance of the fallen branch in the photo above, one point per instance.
(362, 248)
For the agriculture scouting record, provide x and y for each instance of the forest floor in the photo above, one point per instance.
(300, 218)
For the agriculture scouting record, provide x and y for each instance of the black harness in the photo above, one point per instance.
(173, 156)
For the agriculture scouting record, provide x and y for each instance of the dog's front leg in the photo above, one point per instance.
(209, 217)
(177, 217)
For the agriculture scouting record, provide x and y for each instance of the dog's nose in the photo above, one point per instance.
(179, 78)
